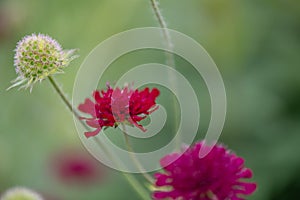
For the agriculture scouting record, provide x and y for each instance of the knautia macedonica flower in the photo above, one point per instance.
(76, 167)
(111, 107)
(20, 193)
(37, 57)
(218, 176)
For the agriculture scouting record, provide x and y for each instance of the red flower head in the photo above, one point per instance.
(217, 176)
(76, 167)
(112, 107)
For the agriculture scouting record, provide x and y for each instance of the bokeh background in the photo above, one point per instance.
(255, 44)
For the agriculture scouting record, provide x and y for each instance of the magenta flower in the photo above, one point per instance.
(76, 167)
(218, 176)
(112, 107)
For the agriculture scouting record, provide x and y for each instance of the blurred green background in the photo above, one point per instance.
(255, 44)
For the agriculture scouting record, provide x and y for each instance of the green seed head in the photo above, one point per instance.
(38, 56)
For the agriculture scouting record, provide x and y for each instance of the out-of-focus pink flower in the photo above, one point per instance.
(74, 166)
(218, 176)
(112, 107)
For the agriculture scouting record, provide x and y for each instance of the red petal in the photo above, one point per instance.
(155, 92)
(93, 123)
(88, 107)
(93, 133)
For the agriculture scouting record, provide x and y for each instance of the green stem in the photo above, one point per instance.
(134, 183)
(170, 60)
(166, 34)
(62, 96)
(131, 180)
(134, 159)
(137, 186)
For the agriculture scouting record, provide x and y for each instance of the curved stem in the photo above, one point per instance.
(62, 95)
(133, 157)
(134, 183)
(66, 101)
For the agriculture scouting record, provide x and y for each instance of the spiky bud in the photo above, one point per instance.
(20, 193)
(37, 57)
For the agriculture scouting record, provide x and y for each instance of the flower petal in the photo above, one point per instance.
(92, 133)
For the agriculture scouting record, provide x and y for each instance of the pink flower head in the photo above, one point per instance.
(112, 107)
(218, 176)
(76, 167)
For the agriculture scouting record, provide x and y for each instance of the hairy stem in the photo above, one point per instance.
(170, 60)
(166, 34)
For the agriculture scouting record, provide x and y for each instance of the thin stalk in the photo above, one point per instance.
(63, 96)
(131, 180)
(166, 34)
(170, 60)
(134, 183)
(134, 159)
(137, 186)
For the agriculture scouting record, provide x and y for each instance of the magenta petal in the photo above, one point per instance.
(238, 161)
(162, 179)
(246, 173)
(236, 198)
(168, 159)
(249, 188)
(160, 195)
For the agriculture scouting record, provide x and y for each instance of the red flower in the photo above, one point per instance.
(112, 107)
(218, 176)
(76, 167)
